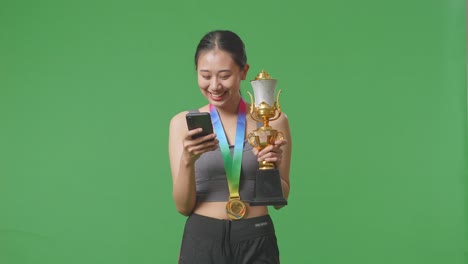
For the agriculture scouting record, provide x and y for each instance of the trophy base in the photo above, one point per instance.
(268, 190)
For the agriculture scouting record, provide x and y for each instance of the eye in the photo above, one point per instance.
(225, 77)
(206, 77)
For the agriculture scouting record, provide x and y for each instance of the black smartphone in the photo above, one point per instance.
(197, 120)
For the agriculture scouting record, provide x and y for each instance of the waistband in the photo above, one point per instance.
(238, 230)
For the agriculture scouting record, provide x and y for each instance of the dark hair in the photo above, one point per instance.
(224, 40)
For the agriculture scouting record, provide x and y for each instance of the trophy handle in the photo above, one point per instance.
(252, 141)
(252, 109)
(277, 101)
(280, 135)
(277, 106)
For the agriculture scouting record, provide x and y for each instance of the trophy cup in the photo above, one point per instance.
(268, 190)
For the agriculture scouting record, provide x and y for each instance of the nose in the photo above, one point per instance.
(215, 84)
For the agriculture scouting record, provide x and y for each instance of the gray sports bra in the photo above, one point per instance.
(210, 175)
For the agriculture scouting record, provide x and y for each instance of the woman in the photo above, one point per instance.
(199, 166)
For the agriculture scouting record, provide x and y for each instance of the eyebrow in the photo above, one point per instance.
(218, 71)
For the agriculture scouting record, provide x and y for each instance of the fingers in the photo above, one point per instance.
(271, 153)
(196, 147)
(280, 142)
(255, 151)
(270, 156)
(273, 148)
(193, 132)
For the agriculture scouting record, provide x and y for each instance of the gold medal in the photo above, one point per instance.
(235, 208)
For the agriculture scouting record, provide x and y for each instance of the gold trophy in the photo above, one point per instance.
(268, 190)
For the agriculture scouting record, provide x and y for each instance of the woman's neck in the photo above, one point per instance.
(230, 109)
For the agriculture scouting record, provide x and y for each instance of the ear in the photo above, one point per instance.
(244, 71)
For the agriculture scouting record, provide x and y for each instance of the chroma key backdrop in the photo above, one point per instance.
(375, 92)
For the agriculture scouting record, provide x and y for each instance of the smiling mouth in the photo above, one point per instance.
(217, 96)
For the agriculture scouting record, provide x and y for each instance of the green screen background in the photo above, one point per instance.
(375, 92)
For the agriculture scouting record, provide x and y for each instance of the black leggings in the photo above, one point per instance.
(248, 241)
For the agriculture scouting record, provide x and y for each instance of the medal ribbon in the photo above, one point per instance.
(232, 164)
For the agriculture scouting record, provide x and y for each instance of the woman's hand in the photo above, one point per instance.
(272, 153)
(193, 148)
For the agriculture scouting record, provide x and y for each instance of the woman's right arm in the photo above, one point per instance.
(183, 152)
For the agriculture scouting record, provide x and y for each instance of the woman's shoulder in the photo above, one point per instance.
(282, 121)
(178, 117)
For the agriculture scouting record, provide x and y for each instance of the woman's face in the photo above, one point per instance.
(219, 77)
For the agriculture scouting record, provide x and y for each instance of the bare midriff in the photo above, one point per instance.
(218, 210)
